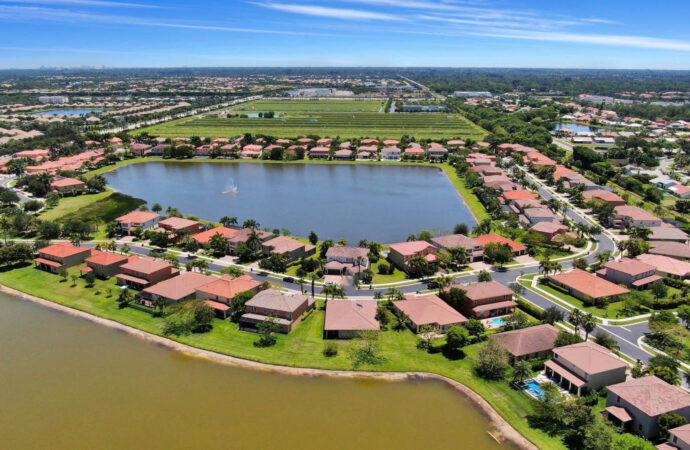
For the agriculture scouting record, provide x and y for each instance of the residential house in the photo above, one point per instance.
(549, 229)
(285, 245)
(484, 240)
(428, 310)
(62, 185)
(676, 250)
(586, 286)
(220, 292)
(604, 196)
(177, 224)
(319, 152)
(390, 154)
(486, 299)
(585, 367)
(678, 439)
(61, 256)
(141, 272)
(346, 260)
(475, 250)
(528, 343)
(105, 264)
(345, 319)
(414, 153)
(242, 237)
(667, 233)
(204, 237)
(539, 160)
(536, 215)
(630, 272)
(176, 289)
(666, 266)
(139, 149)
(285, 310)
(631, 216)
(343, 155)
(143, 220)
(680, 190)
(437, 153)
(638, 403)
(400, 254)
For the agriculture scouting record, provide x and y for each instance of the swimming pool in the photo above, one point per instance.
(534, 388)
(499, 321)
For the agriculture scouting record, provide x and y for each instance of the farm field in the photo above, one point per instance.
(325, 118)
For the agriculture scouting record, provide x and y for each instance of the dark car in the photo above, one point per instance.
(262, 274)
(289, 280)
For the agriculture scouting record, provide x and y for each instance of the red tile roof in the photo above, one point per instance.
(629, 266)
(652, 395)
(63, 250)
(666, 264)
(589, 284)
(205, 236)
(411, 248)
(590, 357)
(520, 194)
(179, 287)
(138, 217)
(428, 310)
(484, 290)
(106, 258)
(228, 287)
(177, 223)
(528, 340)
(489, 238)
(351, 315)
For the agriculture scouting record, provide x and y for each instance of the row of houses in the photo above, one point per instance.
(634, 404)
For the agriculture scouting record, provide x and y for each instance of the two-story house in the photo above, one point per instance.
(630, 272)
(585, 367)
(140, 273)
(105, 264)
(486, 299)
(346, 260)
(58, 256)
(400, 254)
(138, 219)
(285, 310)
(475, 250)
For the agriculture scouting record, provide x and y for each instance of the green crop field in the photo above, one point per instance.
(344, 118)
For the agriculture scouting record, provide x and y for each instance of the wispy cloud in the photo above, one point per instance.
(60, 50)
(99, 3)
(21, 13)
(334, 13)
(597, 39)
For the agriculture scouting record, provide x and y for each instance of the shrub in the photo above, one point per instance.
(384, 267)
(529, 308)
(330, 349)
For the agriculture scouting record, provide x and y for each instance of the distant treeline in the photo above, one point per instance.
(567, 81)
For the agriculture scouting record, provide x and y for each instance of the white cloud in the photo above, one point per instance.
(334, 13)
(83, 3)
(597, 39)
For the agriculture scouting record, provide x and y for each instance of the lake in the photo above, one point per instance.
(67, 112)
(385, 203)
(68, 383)
(575, 127)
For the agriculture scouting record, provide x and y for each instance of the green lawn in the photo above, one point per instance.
(301, 348)
(69, 205)
(343, 118)
(397, 275)
(467, 195)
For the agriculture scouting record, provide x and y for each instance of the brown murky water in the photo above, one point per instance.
(68, 383)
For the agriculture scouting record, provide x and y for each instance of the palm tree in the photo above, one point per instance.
(5, 225)
(250, 223)
(606, 340)
(575, 318)
(359, 261)
(125, 249)
(394, 294)
(604, 256)
(301, 282)
(521, 370)
(545, 266)
(443, 282)
(254, 241)
(588, 324)
(313, 277)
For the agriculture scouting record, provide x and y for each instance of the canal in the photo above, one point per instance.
(67, 383)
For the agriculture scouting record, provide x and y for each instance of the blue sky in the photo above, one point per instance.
(446, 33)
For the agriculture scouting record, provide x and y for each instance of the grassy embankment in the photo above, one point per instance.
(302, 348)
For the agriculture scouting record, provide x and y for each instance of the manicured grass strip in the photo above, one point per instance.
(69, 205)
(467, 195)
(106, 206)
(302, 348)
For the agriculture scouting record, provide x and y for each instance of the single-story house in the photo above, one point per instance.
(549, 229)
(528, 343)
(585, 367)
(284, 245)
(177, 224)
(586, 286)
(518, 249)
(676, 250)
(204, 237)
(632, 216)
(175, 289)
(665, 233)
(536, 215)
(350, 260)
(67, 185)
(678, 439)
(223, 290)
(346, 318)
(142, 272)
(319, 152)
(475, 250)
(603, 195)
(242, 236)
(636, 404)
(429, 310)
(343, 155)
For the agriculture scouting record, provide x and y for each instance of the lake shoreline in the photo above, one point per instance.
(501, 428)
(470, 201)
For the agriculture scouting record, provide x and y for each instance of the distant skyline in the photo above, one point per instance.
(382, 33)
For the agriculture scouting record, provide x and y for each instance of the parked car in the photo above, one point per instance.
(289, 280)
